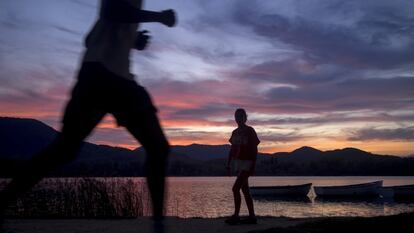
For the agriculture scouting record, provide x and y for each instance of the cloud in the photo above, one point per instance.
(350, 65)
(333, 118)
(380, 94)
(397, 134)
(378, 38)
(282, 138)
(114, 136)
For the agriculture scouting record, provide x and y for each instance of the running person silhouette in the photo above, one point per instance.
(242, 160)
(105, 85)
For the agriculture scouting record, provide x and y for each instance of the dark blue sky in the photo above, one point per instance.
(327, 74)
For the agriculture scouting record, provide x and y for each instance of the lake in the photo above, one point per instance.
(210, 197)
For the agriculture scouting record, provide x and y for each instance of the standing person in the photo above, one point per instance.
(242, 160)
(105, 85)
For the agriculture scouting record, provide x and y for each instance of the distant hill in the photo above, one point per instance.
(199, 152)
(348, 161)
(22, 138)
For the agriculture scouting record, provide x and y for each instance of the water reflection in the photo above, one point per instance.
(304, 199)
(403, 200)
(368, 199)
(210, 197)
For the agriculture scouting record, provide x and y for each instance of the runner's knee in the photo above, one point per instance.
(159, 150)
(164, 148)
(62, 150)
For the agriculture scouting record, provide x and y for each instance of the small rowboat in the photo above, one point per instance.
(402, 191)
(286, 190)
(355, 190)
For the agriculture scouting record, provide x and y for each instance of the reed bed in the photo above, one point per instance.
(83, 198)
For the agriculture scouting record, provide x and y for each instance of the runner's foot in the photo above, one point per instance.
(233, 220)
(249, 220)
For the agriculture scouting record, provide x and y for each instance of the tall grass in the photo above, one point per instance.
(83, 198)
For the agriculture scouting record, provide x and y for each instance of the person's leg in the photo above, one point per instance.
(133, 108)
(238, 184)
(80, 118)
(246, 192)
(61, 151)
(147, 130)
(235, 219)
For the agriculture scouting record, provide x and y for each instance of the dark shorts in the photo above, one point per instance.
(99, 91)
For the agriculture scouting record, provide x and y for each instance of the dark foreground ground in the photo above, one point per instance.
(390, 224)
(396, 223)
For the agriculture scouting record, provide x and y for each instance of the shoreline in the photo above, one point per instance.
(204, 225)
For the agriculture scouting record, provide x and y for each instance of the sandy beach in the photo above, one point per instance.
(396, 223)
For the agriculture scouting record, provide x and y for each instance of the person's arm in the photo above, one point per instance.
(122, 12)
(142, 40)
(229, 158)
(230, 155)
(253, 167)
(254, 143)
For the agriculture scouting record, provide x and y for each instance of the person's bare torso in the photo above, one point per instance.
(110, 42)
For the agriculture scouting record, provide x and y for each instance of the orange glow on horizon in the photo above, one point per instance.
(385, 147)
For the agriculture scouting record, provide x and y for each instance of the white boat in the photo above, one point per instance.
(402, 191)
(387, 192)
(286, 190)
(355, 190)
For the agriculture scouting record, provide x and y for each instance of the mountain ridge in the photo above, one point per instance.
(21, 138)
(303, 149)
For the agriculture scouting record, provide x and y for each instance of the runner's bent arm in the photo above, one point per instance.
(122, 12)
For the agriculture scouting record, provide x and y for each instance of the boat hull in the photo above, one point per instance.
(403, 191)
(288, 190)
(357, 190)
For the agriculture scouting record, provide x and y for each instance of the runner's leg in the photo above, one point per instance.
(61, 151)
(80, 118)
(147, 130)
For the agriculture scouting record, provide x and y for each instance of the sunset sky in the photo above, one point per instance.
(322, 73)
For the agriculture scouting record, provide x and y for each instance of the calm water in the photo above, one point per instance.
(210, 197)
